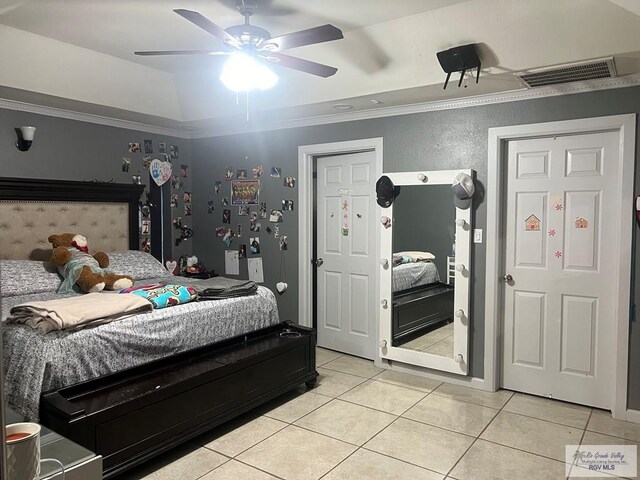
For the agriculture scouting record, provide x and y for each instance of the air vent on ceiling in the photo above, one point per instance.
(575, 72)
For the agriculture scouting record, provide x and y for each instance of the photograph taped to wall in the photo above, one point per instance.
(210, 206)
(239, 234)
(228, 173)
(134, 147)
(174, 200)
(284, 243)
(218, 187)
(148, 146)
(276, 216)
(173, 150)
(241, 174)
(287, 205)
(257, 171)
(243, 210)
(226, 216)
(289, 182)
(254, 245)
(245, 192)
(263, 210)
(162, 147)
(146, 162)
(242, 250)
(276, 172)
(187, 210)
(126, 163)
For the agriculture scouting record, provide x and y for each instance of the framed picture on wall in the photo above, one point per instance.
(245, 192)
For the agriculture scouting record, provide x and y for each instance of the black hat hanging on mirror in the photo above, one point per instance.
(386, 191)
(463, 189)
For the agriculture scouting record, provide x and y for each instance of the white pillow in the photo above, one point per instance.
(418, 256)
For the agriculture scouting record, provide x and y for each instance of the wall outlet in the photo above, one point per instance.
(477, 235)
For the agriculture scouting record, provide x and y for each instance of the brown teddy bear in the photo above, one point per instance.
(78, 267)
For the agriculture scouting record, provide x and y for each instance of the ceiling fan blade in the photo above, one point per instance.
(181, 52)
(208, 26)
(323, 33)
(299, 64)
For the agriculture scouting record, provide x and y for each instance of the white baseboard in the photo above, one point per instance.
(471, 382)
(632, 416)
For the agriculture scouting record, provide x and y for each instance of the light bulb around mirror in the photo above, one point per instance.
(28, 133)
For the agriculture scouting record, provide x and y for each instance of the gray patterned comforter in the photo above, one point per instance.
(410, 275)
(37, 362)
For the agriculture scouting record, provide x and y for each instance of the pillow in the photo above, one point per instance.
(137, 264)
(21, 277)
(416, 256)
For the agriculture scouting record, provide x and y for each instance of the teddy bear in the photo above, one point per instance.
(78, 267)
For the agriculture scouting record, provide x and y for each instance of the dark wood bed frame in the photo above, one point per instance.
(133, 415)
(418, 310)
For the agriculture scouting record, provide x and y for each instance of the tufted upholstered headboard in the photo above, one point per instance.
(31, 210)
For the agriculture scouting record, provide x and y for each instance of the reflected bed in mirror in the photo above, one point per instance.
(424, 292)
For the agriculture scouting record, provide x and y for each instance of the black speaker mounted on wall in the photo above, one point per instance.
(459, 59)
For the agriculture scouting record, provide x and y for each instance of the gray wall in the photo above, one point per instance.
(72, 150)
(446, 139)
(424, 219)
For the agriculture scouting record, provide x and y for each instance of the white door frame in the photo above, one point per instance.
(306, 155)
(625, 125)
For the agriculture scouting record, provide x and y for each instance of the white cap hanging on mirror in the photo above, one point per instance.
(25, 138)
(463, 189)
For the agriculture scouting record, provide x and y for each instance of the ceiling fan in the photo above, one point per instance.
(257, 43)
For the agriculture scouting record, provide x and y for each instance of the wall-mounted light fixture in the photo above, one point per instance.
(25, 138)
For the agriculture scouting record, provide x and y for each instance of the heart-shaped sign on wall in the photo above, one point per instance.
(171, 265)
(281, 287)
(160, 171)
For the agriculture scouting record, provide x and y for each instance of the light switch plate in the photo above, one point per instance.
(477, 235)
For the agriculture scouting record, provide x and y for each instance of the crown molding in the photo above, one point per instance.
(91, 118)
(381, 112)
(392, 111)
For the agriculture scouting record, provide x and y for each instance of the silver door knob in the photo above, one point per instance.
(317, 262)
(508, 278)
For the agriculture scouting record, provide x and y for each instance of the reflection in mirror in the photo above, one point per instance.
(423, 269)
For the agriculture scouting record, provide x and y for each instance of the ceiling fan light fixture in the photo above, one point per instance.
(243, 73)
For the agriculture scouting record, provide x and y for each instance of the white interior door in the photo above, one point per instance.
(561, 240)
(346, 244)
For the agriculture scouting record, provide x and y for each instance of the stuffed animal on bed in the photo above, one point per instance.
(78, 267)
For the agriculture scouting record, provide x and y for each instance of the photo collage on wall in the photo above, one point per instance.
(242, 186)
(147, 161)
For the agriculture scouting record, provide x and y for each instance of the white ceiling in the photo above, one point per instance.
(82, 51)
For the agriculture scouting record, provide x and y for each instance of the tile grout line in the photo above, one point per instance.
(449, 472)
(584, 432)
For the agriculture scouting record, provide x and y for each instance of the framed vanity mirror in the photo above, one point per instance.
(425, 244)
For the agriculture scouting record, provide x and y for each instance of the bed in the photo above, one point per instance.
(410, 275)
(420, 301)
(83, 383)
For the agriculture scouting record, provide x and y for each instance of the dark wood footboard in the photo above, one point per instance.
(419, 309)
(133, 415)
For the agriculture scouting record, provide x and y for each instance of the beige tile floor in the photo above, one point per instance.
(438, 342)
(362, 422)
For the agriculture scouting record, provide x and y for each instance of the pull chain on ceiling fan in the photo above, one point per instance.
(250, 47)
